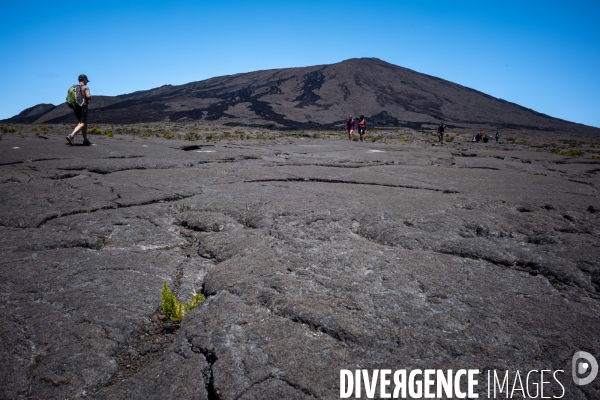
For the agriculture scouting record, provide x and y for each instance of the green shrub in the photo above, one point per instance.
(570, 153)
(109, 133)
(450, 139)
(173, 308)
(5, 129)
(191, 136)
(510, 139)
(94, 131)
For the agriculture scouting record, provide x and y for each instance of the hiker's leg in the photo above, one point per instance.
(77, 128)
(84, 130)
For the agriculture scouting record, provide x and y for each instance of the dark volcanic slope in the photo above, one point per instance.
(325, 95)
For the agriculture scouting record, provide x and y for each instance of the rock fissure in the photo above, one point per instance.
(322, 180)
(171, 198)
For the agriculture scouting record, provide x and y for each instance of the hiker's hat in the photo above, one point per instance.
(82, 77)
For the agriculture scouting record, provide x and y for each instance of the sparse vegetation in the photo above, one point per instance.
(570, 153)
(173, 308)
(109, 133)
(7, 129)
(94, 131)
(510, 139)
(191, 136)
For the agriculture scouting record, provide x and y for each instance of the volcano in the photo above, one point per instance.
(321, 96)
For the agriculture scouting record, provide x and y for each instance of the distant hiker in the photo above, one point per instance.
(362, 127)
(497, 137)
(350, 127)
(77, 98)
(441, 130)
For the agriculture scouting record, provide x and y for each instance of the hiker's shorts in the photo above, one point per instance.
(81, 113)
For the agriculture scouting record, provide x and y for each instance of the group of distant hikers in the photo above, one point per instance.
(362, 128)
(479, 137)
(351, 127)
(79, 95)
(483, 137)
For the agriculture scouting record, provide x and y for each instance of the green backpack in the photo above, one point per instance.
(75, 97)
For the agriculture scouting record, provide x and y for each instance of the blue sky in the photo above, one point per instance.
(543, 55)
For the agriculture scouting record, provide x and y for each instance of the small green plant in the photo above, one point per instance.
(173, 308)
(168, 136)
(404, 139)
(596, 157)
(146, 134)
(109, 133)
(209, 136)
(510, 139)
(94, 131)
(44, 128)
(450, 139)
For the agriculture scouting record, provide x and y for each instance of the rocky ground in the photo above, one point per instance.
(315, 253)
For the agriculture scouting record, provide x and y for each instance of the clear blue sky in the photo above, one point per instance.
(543, 55)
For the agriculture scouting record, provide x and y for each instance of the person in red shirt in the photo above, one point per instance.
(362, 127)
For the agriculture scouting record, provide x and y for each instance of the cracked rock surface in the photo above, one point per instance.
(314, 255)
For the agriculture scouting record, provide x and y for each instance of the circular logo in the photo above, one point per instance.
(584, 364)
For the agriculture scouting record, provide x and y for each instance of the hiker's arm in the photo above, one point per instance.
(88, 95)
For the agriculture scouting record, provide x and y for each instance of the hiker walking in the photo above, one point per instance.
(362, 127)
(497, 137)
(80, 108)
(441, 130)
(350, 127)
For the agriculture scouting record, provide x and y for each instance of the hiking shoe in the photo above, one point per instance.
(86, 143)
(70, 140)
